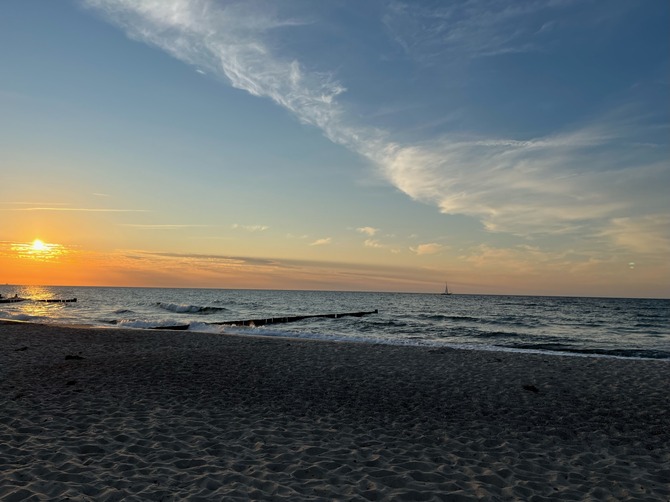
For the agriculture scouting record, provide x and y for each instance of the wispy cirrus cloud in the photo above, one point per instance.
(550, 183)
(648, 234)
(244, 271)
(163, 226)
(250, 228)
(543, 185)
(35, 204)
(79, 209)
(228, 41)
(466, 29)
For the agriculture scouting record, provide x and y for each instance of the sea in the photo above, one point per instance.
(584, 327)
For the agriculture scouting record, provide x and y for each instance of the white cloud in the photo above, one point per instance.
(550, 184)
(373, 243)
(321, 242)
(367, 230)
(428, 248)
(250, 228)
(228, 40)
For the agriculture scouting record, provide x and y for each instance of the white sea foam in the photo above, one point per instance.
(203, 327)
(181, 309)
(188, 309)
(22, 317)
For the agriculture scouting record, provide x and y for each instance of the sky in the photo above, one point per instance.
(507, 147)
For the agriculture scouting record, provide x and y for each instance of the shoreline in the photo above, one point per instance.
(580, 353)
(107, 414)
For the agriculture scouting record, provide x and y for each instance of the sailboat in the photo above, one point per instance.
(446, 289)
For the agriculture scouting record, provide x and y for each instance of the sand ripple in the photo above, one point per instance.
(173, 416)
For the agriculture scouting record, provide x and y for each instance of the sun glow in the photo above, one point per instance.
(38, 245)
(39, 250)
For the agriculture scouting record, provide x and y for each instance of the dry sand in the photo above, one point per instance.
(93, 414)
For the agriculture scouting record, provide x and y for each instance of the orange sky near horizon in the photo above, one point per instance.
(47, 263)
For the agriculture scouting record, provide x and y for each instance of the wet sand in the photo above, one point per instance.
(107, 414)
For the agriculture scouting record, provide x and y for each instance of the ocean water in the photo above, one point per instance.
(615, 327)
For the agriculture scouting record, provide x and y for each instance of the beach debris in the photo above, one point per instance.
(177, 326)
(75, 357)
(531, 388)
(71, 382)
(21, 349)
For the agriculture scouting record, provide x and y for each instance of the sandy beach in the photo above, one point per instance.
(106, 414)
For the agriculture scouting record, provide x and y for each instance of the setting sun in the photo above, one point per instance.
(38, 245)
(38, 250)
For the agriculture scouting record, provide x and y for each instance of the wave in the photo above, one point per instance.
(627, 353)
(442, 317)
(189, 309)
(146, 324)
(22, 317)
(503, 321)
(493, 334)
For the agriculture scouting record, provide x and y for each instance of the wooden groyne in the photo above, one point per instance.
(273, 320)
(16, 299)
(57, 300)
(280, 320)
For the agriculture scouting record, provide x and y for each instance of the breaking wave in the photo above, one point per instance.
(189, 309)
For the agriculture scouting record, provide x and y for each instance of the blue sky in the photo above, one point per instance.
(511, 147)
